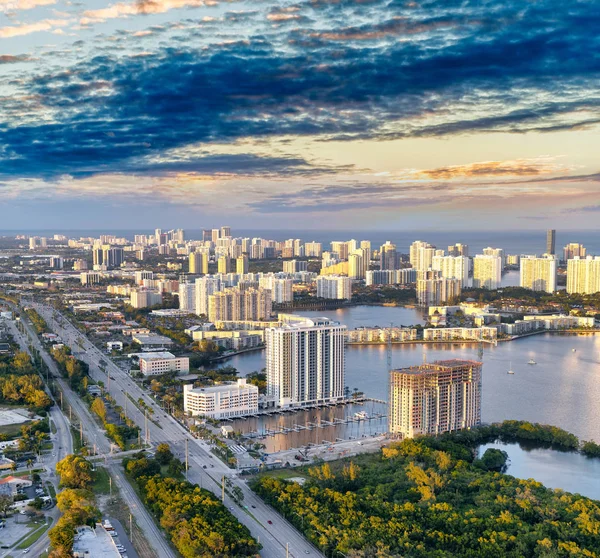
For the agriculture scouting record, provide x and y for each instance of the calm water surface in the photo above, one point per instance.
(568, 471)
(563, 389)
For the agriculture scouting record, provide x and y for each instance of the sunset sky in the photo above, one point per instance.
(344, 114)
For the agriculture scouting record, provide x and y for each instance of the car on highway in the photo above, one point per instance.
(253, 506)
(269, 522)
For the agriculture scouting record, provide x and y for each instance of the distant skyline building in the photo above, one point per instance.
(206, 286)
(434, 290)
(198, 263)
(539, 274)
(334, 287)
(574, 250)
(388, 256)
(430, 399)
(583, 275)
(421, 255)
(187, 297)
(458, 250)
(241, 264)
(305, 361)
(551, 242)
(487, 270)
(453, 267)
(224, 264)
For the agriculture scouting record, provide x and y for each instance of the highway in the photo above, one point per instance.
(144, 520)
(279, 539)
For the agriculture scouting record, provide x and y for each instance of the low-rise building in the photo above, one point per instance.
(152, 342)
(160, 363)
(380, 335)
(460, 334)
(89, 543)
(223, 401)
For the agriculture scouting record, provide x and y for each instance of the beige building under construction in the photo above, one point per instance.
(441, 396)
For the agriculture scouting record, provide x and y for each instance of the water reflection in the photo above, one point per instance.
(284, 431)
(568, 471)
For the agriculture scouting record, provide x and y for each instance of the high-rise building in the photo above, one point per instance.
(313, 249)
(499, 252)
(574, 250)
(225, 231)
(215, 235)
(294, 266)
(224, 264)
(583, 275)
(236, 304)
(388, 257)
(430, 399)
(140, 276)
(487, 271)
(56, 262)
(453, 267)
(391, 276)
(198, 263)
(281, 288)
(334, 286)
(421, 255)
(241, 264)
(434, 290)
(340, 248)
(206, 286)
(305, 361)
(187, 297)
(551, 242)
(224, 401)
(458, 250)
(358, 263)
(539, 274)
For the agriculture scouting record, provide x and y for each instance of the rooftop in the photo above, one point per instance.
(159, 355)
(438, 365)
(94, 542)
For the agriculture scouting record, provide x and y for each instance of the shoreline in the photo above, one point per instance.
(427, 342)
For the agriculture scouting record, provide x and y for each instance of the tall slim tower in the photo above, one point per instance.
(305, 361)
(551, 242)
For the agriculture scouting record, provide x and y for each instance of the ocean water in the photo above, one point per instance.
(513, 241)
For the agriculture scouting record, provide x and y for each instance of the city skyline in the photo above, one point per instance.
(117, 114)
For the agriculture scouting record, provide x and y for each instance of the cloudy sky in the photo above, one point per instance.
(367, 114)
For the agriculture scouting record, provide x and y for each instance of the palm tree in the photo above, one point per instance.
(30, 464)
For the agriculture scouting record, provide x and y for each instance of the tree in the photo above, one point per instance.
(163, 454)
(99, 408)
(75, 472)
(6, 503)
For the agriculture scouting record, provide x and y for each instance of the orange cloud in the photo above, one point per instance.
(16, 5)
(519, 167)
(123, 9)
(28, 28)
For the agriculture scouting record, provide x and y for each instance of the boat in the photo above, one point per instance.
(574, 350)
(531, 361)
(361, 415)
(510, 370)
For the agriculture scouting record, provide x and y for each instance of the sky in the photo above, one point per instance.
(324, 114)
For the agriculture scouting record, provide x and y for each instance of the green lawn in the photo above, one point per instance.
(101, 484)
(12, 430)
(283, 474)
(33, 537)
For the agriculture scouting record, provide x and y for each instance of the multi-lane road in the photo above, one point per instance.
(278, 537)
(64, 446)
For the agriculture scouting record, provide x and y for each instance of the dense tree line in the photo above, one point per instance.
(24, 390)
(118, 433)
(76, 502)
(72, 368)
(198, 524)
(39, 324)
(426, 497)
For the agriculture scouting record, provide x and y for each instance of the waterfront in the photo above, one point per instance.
(562, 389)
(283, 431)
(569, 471)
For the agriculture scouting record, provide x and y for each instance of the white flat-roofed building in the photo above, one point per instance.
(156, 364)
(224, 401)
(306, 361)
(89, 543)
(487, 271)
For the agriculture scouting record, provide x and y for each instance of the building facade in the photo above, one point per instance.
(430, 399)
(539, 274)
(487, 271)
(306, 361)
(223, 401)
(583, 275)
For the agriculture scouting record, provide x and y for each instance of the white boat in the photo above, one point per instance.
(361, 415)
(510, 370)
(574, 350)
(531, 361)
